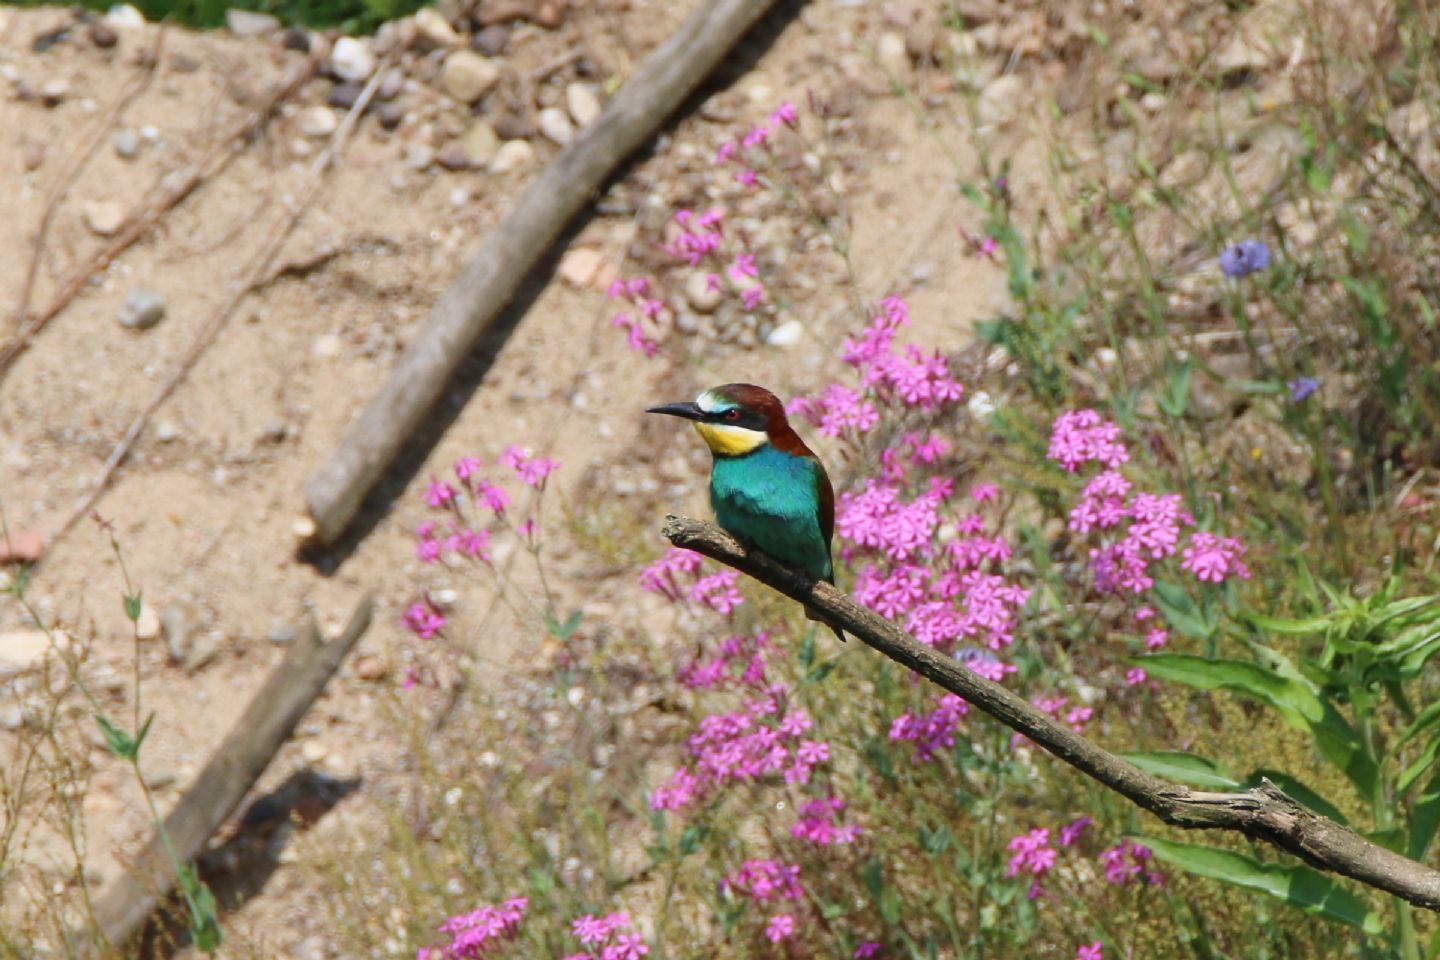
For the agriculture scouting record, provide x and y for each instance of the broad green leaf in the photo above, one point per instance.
(1417, 768)
(132, 607)
(1184, 767)
(1424, 820)
(1287, 627)
(1297, 791)
(1180, 611)
(1297, 885)
(806, 653)
(822, 670)
(1427, 719)
(1338, 742)
(121, 744)
(1176, 398)
(1297, 704)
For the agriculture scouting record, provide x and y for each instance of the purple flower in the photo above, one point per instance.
(1302, 387)
(781, 927)
(1092, 951)
(1245, 258)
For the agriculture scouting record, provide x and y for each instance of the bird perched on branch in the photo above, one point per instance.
(768, 490)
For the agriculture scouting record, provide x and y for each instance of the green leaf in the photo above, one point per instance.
(1294, 628)
(1424, 820)
(1293, 700)
(822, 670)
(1297, 791)
(1180, 610)
(1419, 766)
(562, 631)
(1338, 742)
(132, 607)
(1176, 398)
(1184, 767)
(204, 914)
(1297, 885)
(937, 841)
(120, 743)
(1427, 719)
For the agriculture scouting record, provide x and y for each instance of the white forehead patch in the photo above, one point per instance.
(705, 402)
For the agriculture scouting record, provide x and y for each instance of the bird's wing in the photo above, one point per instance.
(826, 494)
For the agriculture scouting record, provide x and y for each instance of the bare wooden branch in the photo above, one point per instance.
(233, 769)
(480, 294)
(1263, 813)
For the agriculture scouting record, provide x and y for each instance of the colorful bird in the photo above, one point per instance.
(768, 490)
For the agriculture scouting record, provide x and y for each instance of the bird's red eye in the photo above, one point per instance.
(732, 415)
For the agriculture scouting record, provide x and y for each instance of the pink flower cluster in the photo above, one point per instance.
(933, 731)
(735, 150)
(1034, 855)
(639, 326)
(607, 938)
(532, 470)
(1141, 528)
(819, 823)
(476, 933)
(1090, 951)
(719, 591)
(1129, 862)
(1075, 718)
(765, 738)
(739, 661)
(759, 881)
(914, 378)
(424, 618)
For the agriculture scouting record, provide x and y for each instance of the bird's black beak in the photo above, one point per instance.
(686, 410)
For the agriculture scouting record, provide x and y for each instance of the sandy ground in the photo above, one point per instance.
(205, 506)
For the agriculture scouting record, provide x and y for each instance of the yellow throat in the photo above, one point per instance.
(727, 441)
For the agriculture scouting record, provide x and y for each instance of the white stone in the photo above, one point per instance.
(141, 310)
(583, 103)
(326, 346)
(1000, 99)
(891, 53)
(512, 155)
(480, 143)
(316, 121)
(786, 334)
(22, 650)
(126, 16)
(352, 59)
(580, 266)
(556, 126)
(701, 294)
(467, 76)
(435, 29)
(148, 626)
(250, 23)
(104, 217)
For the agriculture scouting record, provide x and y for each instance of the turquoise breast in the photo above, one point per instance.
(770, 499)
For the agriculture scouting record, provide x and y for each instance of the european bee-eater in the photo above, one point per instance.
(768, 489)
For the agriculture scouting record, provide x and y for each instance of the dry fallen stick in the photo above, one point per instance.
(164, 196)
(476, 299)
(1262, 813)
(233, 769)
(248, 277)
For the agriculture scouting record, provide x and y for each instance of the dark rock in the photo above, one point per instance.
(492, 40)
(296, 39)
(390, 115)
(102, 34)
(453, 157)
(49, 38)
(344, 95)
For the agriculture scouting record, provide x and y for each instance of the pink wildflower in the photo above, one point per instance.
(1081, 436)
(1135, 676)
(424, 619)
(1213, 559)
(1074, 830)
(475, 933)
(780, 927)
(1093, 951)
(438, 494)
(1156, 639)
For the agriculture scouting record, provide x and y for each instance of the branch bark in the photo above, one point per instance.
(480, 294)
(1263, 813)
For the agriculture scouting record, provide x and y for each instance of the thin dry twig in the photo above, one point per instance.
(168, 192)
(245, 281)
(1262, 813)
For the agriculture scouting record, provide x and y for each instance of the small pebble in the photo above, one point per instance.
(326, 346)
(891, 53)
(316, 122)
(142, 309)
(580, 266)
(166, 432)
(184, 63)
(556, 126)
(282, 634)
(313, 751)
(53, 92)
(513, 155)
(297, 39)
(344, 95)
(127, 143)
(467, 76)
(250, 23)
(432, 27)
(391, 115)
(125, 17)
(583, 103)
(147, 626)
(204, 649)
(480, 143)
(702, 296)
(786, 334)
(391, 84)
(352, 60)
(419, 156)
(371, 668)
(491, 41)
(104, 217)
(453, 157)
(102, 34)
